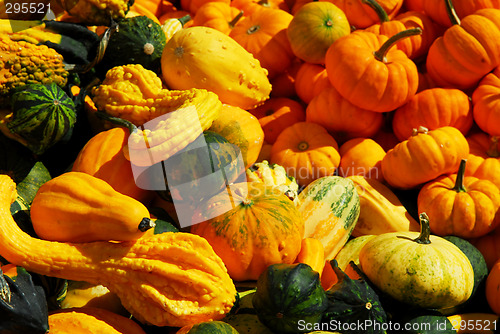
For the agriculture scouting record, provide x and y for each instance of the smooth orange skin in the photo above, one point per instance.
(361, 156)
(486, 104)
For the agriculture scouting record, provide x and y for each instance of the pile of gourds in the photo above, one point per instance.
(244, 166)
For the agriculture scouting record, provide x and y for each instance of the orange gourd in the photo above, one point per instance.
(284, 83)
(492, 288)
(370, 73)
(467, 51)
(263, 34)
(276, 114)
(433, 108)
(251, 6)
(192, 6)
(424, 156)
(340, 117)
(311, 79)
(483, 161)
(217, 15)
(486, 103)
(306, 151)
(459, 205)
(261, 227)
(312, 253)
(361, 15)
(489, 246)
(361, 156)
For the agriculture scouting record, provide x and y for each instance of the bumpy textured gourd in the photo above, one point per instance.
(168, 279)
(96, 12)
(136, 94)
(24, 63)
(79, 207)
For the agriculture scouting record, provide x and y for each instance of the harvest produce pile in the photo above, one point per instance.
(244, 166)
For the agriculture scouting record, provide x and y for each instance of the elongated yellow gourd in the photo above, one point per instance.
(202, 57)
(168, 279)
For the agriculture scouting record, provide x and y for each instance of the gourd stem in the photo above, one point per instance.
(493, 149)
(425, 230)
(146, 224)
(459, 182)
(183, 20)
(420, 129)
(264, 3)
(381, 13)
(452, 14)
(116, 120)
(235, 20)
(382, 52)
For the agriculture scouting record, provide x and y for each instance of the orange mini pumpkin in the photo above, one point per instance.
(361, 156)
(486, 103)
(311, 79)
(433, 108)
(277, 114)
(459, 205)
(306, 151)
(217, 15)
(369, 72)
(424, 156)
(493, 288)
(489, 246)
(360, 15)
(483, 161)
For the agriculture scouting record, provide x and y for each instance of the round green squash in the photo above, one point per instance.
(418, 269)
(137, 40)
(212, 327)
(288, 297)
(41, 116)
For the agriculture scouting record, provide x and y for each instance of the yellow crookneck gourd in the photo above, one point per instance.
(168, 279)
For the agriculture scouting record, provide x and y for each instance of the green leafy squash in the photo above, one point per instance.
(41, 116)
(137, 40)
(289, 296)
(23, 307)
(330, 207)
(353, 301)
(203, 57)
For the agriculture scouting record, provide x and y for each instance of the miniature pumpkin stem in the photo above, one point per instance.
(381, 13)
(452, 14)
(420, 129)
(382, 52)
(183, 20)
(459, 182)
(146, 224)
(425, 230)
(264, 3)
(493, 149)
(235, 20)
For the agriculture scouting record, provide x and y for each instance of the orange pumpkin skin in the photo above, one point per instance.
(264, 227)
(433, 108)
(192, 6)
(251, 6)
(361, 15)
(361, 156)
(311, 79)
(466, 207)
(276, 114)
(489, 246)
(486, 104)
(263, 34)
(484, 158)
(424, 156)
(415, 46)
(467, 51)
(216, 15)
(284, 83)
(354, 69)
(306, 151)
(493, 288)
(340, 117)
(103, 157)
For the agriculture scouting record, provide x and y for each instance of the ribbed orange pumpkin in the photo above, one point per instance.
(276, 114)
(306, 151)
(483, 161)
(217, 15)
(486, 103)
(192, 6)
(263, 34)
(369, 72)
(414, 46)
(459, 205)
(251, 6)
(261, 228)
(424, 156)
(360, 15)
(103, 158)
(489, 246)
(361, 156)
(493, 288)
(433, 108)
(310, 80)
(467, 51)
(340, 117)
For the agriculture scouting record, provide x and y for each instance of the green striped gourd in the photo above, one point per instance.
(330, 208)
(42, 116)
